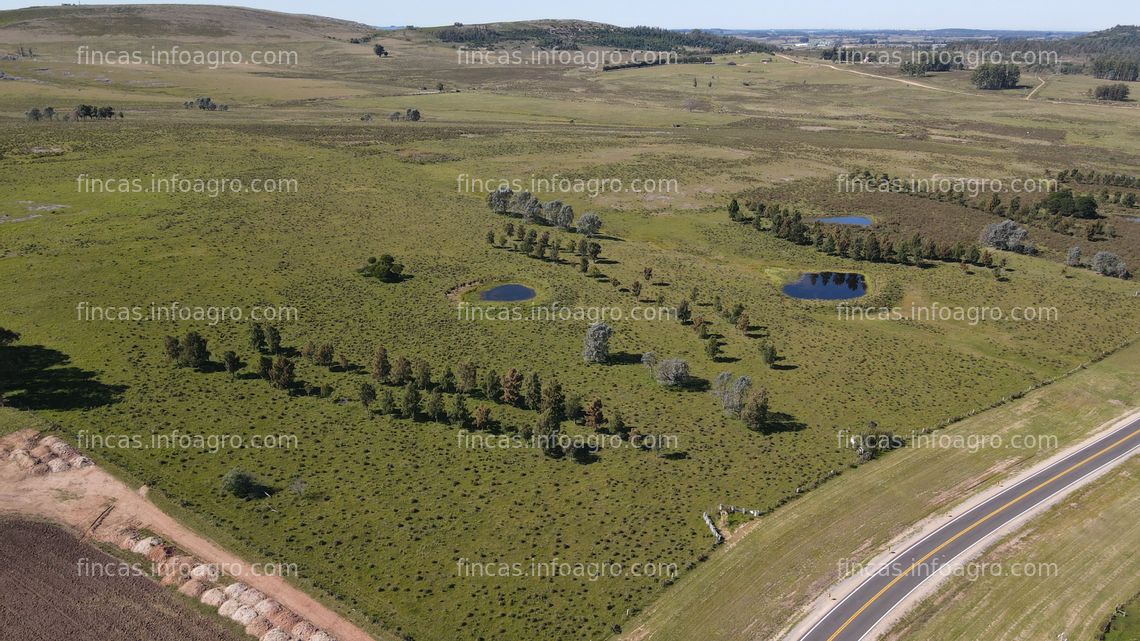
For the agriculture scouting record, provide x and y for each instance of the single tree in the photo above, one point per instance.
(239, 483)
(272, 339)
(712, 348)
(511, 386)
(401, 371)
(553, 400)
(533, 393)
(596, 347)
(264, 367)
(492, 388)
(593, 414)
(483, 418)
(422, 374)
(232, 363)
(381, 368)
(589, 224)
(387, 404)
(434, 406)
(459, 413)
(256, 337)
(411, 403)
(194, 353)
(367, 394)
(468, 378)
(281, 372)
(755, 411)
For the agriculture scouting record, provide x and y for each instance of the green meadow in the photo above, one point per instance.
(395, 511)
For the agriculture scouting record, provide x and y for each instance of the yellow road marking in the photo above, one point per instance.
(974, 525)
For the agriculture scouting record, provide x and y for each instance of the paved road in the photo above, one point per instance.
(853, 618)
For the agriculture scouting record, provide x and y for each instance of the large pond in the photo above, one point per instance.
(857, 221)
(827, 286)
(507, 293)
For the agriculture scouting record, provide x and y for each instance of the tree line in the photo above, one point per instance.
(788, 224)
(410, 389)
(81, 112)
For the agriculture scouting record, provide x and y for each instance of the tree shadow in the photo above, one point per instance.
(257, 490)
(696, 384)
(781, 422)
(623, 358)
(36, 377)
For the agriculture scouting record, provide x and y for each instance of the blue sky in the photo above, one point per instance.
(1085, 15)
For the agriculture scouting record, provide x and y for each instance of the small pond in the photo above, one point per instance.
(857, 221)
(507, 293)
(827, 286)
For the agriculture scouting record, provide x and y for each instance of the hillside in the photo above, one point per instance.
(572, 34)
(216, 23)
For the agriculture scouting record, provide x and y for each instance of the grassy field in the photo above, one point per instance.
(1082, 553)
(394, 505)
(788, 559)
(1125, 625)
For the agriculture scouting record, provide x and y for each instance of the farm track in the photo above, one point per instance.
(78, 498)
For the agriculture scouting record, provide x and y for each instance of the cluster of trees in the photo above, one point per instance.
(996, 76)
(204, 103)
(422, 395)
(679, 60)
(36, 114)
(1065, 203)
(738, 399)
(1103, 263)
(544, 246)
(525, 205)
(1116, 68)
(1117, 91)
(1097, 178)
(635, 38)
(411, 115)
(189, 351)
(788, 224)
(385, 269)
(657, 39)
(1055, 212)
(88, 112)
(913, 68)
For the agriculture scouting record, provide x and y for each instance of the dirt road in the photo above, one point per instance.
(78, 496)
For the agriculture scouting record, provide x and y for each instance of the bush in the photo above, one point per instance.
(1109, 264)
(672, 372)
(1008, 236)
(239, 483)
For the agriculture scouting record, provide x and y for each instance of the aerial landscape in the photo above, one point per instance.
(590, 322)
